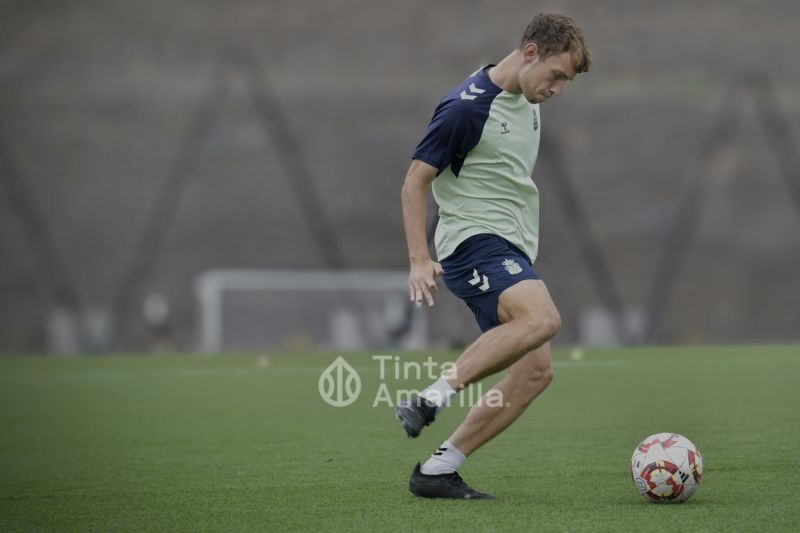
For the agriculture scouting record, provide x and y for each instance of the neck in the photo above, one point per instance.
(506, 73)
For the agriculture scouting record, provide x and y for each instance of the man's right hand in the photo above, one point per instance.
(414, 194)
(422, 280)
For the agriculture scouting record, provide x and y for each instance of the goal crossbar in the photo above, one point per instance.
(211, 285)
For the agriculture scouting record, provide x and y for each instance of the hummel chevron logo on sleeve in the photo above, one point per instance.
(473, 92)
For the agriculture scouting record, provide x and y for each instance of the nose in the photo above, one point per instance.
(557, 88)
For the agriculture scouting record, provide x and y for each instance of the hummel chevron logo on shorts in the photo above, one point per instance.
(476, 278)
(473, 92)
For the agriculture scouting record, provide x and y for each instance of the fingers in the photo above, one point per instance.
(427, 295)
(420, 291)
(432, 286)
(422, 285)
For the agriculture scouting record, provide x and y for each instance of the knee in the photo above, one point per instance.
(543, 375)
(552, 324)
(533, 381)
(541, 328)
(535, 376)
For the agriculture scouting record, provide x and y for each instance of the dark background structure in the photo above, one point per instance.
(143, 143)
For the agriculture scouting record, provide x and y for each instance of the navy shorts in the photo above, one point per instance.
(480, 269)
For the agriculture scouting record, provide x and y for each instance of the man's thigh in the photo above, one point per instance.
(481, 269)
(527, 299)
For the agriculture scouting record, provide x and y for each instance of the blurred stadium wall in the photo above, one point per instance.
(142, 143)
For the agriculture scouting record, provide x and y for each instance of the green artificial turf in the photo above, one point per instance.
(238, 443)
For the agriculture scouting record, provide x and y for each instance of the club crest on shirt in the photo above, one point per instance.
(535, 120)
(512, 267)
(504, 128)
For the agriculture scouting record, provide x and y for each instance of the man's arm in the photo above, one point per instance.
(421, 282)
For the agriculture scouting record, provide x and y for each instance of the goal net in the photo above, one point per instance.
(309, 310)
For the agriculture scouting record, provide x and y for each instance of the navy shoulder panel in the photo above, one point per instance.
(457, 123)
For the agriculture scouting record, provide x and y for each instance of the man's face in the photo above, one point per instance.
(539, 80)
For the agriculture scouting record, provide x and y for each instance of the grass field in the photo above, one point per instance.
(236, 443)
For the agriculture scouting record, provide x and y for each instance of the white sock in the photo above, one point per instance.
(445, 460)
(439, 393)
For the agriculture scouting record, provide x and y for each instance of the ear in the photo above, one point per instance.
(530, 52)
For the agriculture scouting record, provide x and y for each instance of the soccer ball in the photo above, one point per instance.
(666, 468)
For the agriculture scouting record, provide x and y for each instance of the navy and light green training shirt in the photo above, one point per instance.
(484, 142)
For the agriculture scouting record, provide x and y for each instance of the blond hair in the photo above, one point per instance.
(554, 34)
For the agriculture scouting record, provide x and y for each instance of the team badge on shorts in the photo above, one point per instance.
(512, 267)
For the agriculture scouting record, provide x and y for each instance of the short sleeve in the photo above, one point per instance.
(454, 130)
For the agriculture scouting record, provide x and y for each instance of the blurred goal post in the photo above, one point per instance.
(354, 309)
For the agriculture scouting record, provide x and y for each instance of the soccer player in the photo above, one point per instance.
(478, 155)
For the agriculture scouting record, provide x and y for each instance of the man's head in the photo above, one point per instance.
(553, 52)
